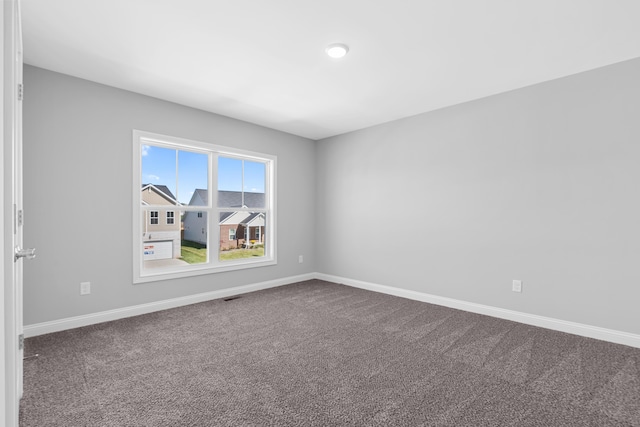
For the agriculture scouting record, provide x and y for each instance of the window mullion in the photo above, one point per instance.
(242, 184)
(214, 217)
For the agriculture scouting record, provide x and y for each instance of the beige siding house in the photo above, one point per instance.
(160, 223)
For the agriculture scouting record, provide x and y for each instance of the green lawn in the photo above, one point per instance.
(195, 253)
(241, 253)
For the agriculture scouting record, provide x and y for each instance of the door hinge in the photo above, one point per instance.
(20, 218)
(21, 342)
(20, 91)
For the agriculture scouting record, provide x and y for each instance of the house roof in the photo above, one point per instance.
(225, 215)
(250, 218)
(163, 190)
(203, 194)
(233, 199)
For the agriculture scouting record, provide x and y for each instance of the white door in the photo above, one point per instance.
(19, 253)
(12, 198)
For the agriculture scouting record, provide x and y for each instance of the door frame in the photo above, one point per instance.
(11, 296)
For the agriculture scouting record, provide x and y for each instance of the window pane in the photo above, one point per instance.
(195, 236)
(254, 184)
(171, 176)
(160, 241)
(158, 175)
(241, 183)
(193, 178)
(229, 174)
(242, 235)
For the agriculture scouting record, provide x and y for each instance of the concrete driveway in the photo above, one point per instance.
(159, 263)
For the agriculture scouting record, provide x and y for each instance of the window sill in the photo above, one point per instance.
(192, 270)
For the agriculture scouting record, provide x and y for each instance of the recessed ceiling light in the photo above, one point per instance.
(337, 50)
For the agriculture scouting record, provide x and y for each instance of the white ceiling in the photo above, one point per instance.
(263, 61)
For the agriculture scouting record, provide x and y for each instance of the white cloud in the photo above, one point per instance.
(153, 177)
(145, 150)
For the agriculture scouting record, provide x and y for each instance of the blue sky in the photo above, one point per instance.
(159, 167)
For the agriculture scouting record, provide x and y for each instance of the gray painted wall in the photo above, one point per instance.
(539, 184)
(78, 174)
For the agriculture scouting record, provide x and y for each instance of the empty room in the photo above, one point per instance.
(363, 213)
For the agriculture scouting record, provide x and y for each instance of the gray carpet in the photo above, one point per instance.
(321, 354)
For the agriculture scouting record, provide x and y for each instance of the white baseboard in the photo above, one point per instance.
(121, 313)
(595, 332)
(588, 331)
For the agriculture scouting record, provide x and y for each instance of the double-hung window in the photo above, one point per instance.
(219, 205)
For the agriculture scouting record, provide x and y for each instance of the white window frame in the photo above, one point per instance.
(171, 217)
(213, 264)
(234, 234)
(152, 217)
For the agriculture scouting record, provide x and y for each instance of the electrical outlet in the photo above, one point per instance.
(300, 259)
(85, 288)
(516, 286)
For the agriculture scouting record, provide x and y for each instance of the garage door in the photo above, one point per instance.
(157, 250)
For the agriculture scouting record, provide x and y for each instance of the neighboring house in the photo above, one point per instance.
(235, 227)
(195, 223)
(161, 225)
